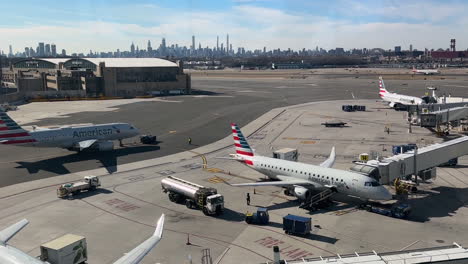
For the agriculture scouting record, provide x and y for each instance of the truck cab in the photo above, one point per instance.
(215, 204)
(93, 181)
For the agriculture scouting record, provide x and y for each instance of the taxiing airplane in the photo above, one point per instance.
(426, 71)
(75, 138)
(395, 99)
(11, 255)
(300, 179)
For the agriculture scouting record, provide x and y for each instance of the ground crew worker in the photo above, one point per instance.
(248, 198)
(190, 141)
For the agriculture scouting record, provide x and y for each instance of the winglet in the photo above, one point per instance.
(159, 227)
(328, 163)
(9, 232)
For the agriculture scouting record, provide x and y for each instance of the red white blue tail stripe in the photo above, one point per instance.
(11, 132)
(382, 90)
(242, 146)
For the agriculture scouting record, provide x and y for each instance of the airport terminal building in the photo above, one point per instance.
(121, 77)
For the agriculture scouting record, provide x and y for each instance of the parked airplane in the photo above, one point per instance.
(300, 178)
(11, 255)
(395, 99)
(69, 137)
(426, 71)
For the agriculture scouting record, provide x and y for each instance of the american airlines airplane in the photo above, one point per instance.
(425, 72)
(395, 99)
(300, 179)
(11, 255)
(75, 138)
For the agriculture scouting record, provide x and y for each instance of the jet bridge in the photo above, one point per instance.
(437, 118)
(427, 159)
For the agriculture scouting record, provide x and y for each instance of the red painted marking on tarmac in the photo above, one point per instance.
(292, 251)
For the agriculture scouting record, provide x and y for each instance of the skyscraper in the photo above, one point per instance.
(193, 43)
(217, 43)
(227, 44)
(47, 49)
(64, 52)
(149, 47)
(54, 50)
(132, 49)
(26, 52)
(10, 53)
(411, 47)
(41, 50)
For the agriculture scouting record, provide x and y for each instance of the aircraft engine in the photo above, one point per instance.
(301, 192)
(105, 146)
(392, 104)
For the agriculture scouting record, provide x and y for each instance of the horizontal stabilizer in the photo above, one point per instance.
(11, 231)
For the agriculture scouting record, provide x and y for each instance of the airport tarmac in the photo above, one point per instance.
(123, 213)
(201, 116)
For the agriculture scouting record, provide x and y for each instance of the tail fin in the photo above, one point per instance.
(243, 148)
(382, 90)
(11, 132)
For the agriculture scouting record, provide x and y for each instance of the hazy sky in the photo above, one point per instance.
(101, 25)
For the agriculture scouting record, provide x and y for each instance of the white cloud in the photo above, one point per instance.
(252, 27)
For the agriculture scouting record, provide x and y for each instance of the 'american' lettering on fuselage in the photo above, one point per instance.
(91, 133)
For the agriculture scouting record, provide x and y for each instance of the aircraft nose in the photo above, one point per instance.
(383, 194)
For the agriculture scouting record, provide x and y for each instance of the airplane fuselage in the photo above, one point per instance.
(395, 98)
(346, 182)
(11, 255)
(67, 137)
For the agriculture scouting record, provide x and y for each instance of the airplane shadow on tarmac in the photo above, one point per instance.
(444, 203)
(108, 160)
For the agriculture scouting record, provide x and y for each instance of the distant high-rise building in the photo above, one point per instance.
(193, 43)
(411, 47)
(41, 50)
(132, 49)
(10, 53)
(217, 43)
(227, 43)
(264, 50)
(150, 49)
(64, 52)
(397, 49)
(230, 47)
(452, 45)
(54, 50)
(26, 52)
(47, 50)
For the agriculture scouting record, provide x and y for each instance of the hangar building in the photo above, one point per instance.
(123, 77)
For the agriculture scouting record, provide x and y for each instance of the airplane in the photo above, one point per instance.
(394, 99)
(425, 72)
(300, 179)
(74, 138)
(11, 255)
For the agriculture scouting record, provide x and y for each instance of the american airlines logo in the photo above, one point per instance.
(91, 133)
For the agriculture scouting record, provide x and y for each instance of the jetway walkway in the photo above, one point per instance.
(437, 118)
(427, 159)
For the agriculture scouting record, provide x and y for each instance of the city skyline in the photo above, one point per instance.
(252, 24)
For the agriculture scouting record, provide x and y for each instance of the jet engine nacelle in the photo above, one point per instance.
(392, 104)
(104, 146)
(301, 192)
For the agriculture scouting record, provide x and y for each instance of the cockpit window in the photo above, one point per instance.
(373, 184)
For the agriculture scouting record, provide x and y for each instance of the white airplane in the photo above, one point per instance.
(11, 255)
(300, 178)
(69, 137)
(425, 72)
(395, 99)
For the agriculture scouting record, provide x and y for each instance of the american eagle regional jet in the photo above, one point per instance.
(11, 255)
(300, 179)
(395, 99)
(75, 138)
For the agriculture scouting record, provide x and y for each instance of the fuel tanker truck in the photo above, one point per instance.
(193, 195)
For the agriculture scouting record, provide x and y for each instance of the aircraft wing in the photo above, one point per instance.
(330, 161)
(284, 181)
(11, 231)
(86, 143)
(138, 253)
